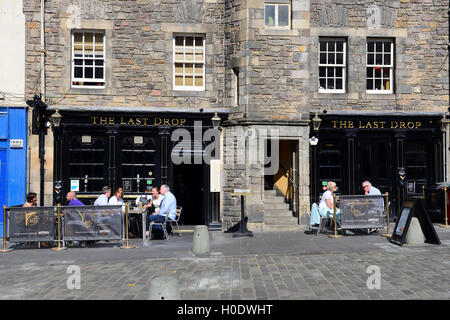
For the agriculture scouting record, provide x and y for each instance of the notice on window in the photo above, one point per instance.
(74, 185)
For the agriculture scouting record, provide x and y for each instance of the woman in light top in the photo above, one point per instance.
(156, 198)
(326, 202)
(116, 199)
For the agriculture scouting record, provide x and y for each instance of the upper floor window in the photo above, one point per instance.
(332, 64)
(380, 65)
(277, 15)
(88, 59)
(189, 62)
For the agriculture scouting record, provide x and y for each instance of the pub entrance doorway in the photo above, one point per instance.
(189, 192)
(375, 159)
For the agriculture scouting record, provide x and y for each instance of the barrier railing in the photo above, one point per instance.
(60, 224)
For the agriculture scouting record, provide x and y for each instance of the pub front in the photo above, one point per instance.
(134, 150)
(353, 148)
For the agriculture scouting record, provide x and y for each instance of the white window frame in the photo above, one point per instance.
(276, 26)
(193, 62)
(389, 65)
(334, 65)
(73, 79)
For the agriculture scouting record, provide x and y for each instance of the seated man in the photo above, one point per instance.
(168, 207)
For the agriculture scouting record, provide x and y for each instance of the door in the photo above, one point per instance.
(139, 167)
(375, 159)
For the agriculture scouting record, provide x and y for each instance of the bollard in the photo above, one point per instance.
(415, 235)
(164, 288)
(200, 242)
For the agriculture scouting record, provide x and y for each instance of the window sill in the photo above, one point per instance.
(278, 32)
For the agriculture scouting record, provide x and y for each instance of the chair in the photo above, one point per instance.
(177, 218)
(163, 226)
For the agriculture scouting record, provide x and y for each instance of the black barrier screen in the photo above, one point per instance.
(360, 212)
(28, 224)
(92, 222)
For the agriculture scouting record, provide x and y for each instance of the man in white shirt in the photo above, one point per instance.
(370, 190)
(102, 200)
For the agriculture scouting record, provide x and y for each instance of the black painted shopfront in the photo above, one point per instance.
(133, 151)
(355, 148)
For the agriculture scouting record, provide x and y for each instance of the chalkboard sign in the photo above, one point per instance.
(414, 208)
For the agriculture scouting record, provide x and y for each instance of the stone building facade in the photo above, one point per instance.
(261, 76)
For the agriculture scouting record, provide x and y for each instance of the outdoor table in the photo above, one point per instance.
(142, 212)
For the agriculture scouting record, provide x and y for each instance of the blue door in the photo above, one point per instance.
(3, 184)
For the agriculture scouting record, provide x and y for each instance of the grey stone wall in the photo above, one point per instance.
(138, 50)
(420, 32)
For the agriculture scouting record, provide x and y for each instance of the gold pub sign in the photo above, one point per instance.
(138, 121)
(367, 124)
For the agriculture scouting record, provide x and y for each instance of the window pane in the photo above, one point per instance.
(270, 15)
(188, 68)
(322, 72)
(189, 55)
(370, 59)
(330, 71)
(322, 83)
(179, 56)
(189, 81)
(377, 84)
(98, 39)
(339, 72)
(283, 16)
(386, 84)
(340, 46)
(331, 46)
(198, 56)
(179, 80)
(339, 58)
(330, 84)
(370, 47)
(179, 41)
(331, 58)
(199, 81)
(178, 68)
(379, 46)
(323, 58)
(377, 72)
(369, 84)
(387, 59)
(89, 73)
(189, 41)
(378, 59)
(338, 83)
(323, 46)
(198, 41)
(88, 62)
(369, 72)
(99, 73)
(198, 69)
(99, 62)
(78, 62)
(78, 73)
(387, 47)
(386, 72)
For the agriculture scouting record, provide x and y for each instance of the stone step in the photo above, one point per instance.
(280, 220)
(273, 200)
(277, 212)
(270, 192)
(274, 206)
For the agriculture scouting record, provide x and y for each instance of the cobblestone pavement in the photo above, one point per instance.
(408, 272)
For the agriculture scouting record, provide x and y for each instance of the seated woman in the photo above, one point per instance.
(325, 208)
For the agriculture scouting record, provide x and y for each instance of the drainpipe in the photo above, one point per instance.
(42, 51)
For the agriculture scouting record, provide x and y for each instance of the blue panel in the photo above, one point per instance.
(3, 180)
(17, 158)
(3, 123)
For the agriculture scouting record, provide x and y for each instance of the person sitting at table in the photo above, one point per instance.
(326, 207)
(73, 200)
(145, 198)
(168, 206)
(117, 198)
